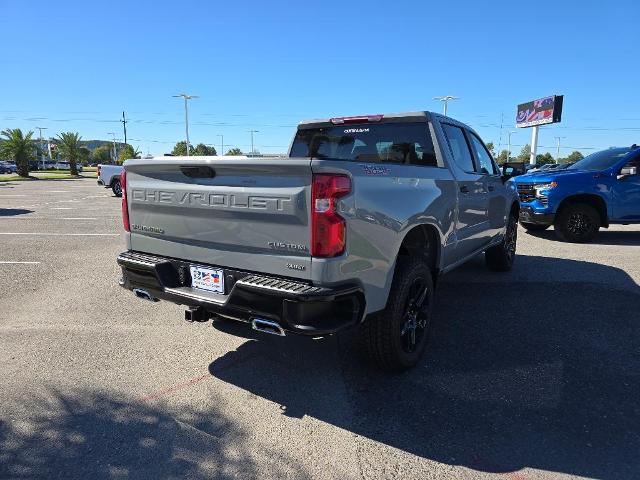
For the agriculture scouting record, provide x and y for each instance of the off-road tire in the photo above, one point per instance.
(381, 335)
(577, 223)
(534, 227)
(500, 257)
(116, 188)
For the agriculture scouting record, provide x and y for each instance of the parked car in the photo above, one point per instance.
(600, 190)
(8, 167)
(352, 229)
(109, 177)
(35, 165)
(66, 166)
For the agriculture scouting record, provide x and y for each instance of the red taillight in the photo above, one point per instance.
(125, 205)
(328, 236)
(99, 168)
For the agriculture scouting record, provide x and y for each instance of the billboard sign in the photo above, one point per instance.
(540, 112)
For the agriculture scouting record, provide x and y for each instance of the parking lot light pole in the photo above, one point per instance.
(115, 150)
(41, 146)
(509, 143)
(252, 132)
(558, 150)
(446, 99)
(221, 143)
(186, 114)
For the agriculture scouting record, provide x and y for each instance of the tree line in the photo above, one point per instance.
(23, 149)
(180, 149)
(525, 153)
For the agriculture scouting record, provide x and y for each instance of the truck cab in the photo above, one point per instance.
(597, 191)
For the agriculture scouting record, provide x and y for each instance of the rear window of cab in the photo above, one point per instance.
(403, 143)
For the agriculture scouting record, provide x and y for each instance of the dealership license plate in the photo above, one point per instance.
(209, 279)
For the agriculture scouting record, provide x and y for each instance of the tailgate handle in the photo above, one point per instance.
(198, 172)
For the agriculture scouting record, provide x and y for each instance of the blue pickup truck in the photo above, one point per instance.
(599, 190)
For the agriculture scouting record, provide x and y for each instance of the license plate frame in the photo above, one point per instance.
(207, 279)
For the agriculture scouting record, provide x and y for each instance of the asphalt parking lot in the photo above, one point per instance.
(534, 374)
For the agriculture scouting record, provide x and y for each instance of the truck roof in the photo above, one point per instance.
(419, 116)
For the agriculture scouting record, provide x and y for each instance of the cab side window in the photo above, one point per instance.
(459, 147)
(484, 157)
(634, 162)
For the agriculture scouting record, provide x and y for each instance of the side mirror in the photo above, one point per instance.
(509, 171)
(627, 171)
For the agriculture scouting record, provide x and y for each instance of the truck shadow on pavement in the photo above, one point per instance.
(604, 237)
(11, 212)
(97, 435)
(540, 373)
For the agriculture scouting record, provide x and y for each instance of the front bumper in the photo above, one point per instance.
(529, 215)
(296, 306)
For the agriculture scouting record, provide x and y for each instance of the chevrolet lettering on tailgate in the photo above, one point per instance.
(215, 200)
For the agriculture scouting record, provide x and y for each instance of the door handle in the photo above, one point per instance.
(491, 188)
(464, 189)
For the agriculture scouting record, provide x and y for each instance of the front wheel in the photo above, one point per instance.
(501, 257)
(577, 223)
(116, 188)
(395, 338)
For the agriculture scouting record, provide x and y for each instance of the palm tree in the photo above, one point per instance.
(128, 152)
(69, 149)
(18, 147)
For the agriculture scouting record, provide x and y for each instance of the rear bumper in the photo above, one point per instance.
(296, 306)
(101, 183)
(529, 215)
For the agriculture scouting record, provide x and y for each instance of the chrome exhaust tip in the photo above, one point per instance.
(267, 326)
(144, 295)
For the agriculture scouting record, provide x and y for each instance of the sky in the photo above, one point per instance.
(76, 65)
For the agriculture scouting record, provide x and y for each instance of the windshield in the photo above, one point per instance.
(600, 160)
(367, 142)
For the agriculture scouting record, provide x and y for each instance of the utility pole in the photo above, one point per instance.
(252, 132)
(41, 146)
(186, 114)
(221, 143)
(115, 150)
(446, 99)
(124, 126)
(500, 138)
(558, 149)
(509, 144)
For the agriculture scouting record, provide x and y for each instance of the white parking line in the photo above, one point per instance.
(58, 191)
(18, 263)
(51, 217)
(41, 234)
(12, 195)
(61, 208)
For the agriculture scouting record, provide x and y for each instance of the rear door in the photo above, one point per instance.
(472, 222)
(249, 214)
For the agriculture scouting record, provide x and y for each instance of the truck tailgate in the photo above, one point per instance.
(250, 214)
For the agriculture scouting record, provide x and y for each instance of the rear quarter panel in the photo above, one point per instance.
(386, 202)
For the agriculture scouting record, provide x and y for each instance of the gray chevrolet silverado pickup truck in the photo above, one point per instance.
(353, 228)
